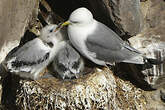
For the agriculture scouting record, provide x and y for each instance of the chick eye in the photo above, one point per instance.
(51, 30)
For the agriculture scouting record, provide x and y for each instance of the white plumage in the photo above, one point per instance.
(99, 43)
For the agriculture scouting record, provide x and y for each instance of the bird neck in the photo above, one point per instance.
(54, 41)
(50, 42)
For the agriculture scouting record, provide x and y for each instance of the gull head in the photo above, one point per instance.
(79, 16)
(50, 33)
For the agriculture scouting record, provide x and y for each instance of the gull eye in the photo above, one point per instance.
(51, 30)
(74, 21)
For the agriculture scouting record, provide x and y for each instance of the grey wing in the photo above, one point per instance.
(73, 54)
(68, 58)
(74, 57)
(67, 55)
(67, 62)
(61, 60)
(32, 53)
(108, 46)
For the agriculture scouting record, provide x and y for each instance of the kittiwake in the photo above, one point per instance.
(67, 62)
(99, 43)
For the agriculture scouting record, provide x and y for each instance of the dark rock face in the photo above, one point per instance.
(125, 15)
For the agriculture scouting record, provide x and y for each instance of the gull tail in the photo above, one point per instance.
(144, 60)
(135, 60)
(153, 61)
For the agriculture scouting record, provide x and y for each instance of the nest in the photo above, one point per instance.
(94, 91)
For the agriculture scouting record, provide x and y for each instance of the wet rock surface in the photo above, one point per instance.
(151, 41)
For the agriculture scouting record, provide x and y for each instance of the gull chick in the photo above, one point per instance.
(67, 62)
(99, 43)
(31, 58)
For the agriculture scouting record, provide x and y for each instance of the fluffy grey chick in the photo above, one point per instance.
(67, 62)
(34, 56)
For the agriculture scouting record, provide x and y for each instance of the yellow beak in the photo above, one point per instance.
(65, 23)
(62, 25)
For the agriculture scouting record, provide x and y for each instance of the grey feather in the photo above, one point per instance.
(68, 63)
(109, 47)
(30, 52)
(30, 59)
(28, 55)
